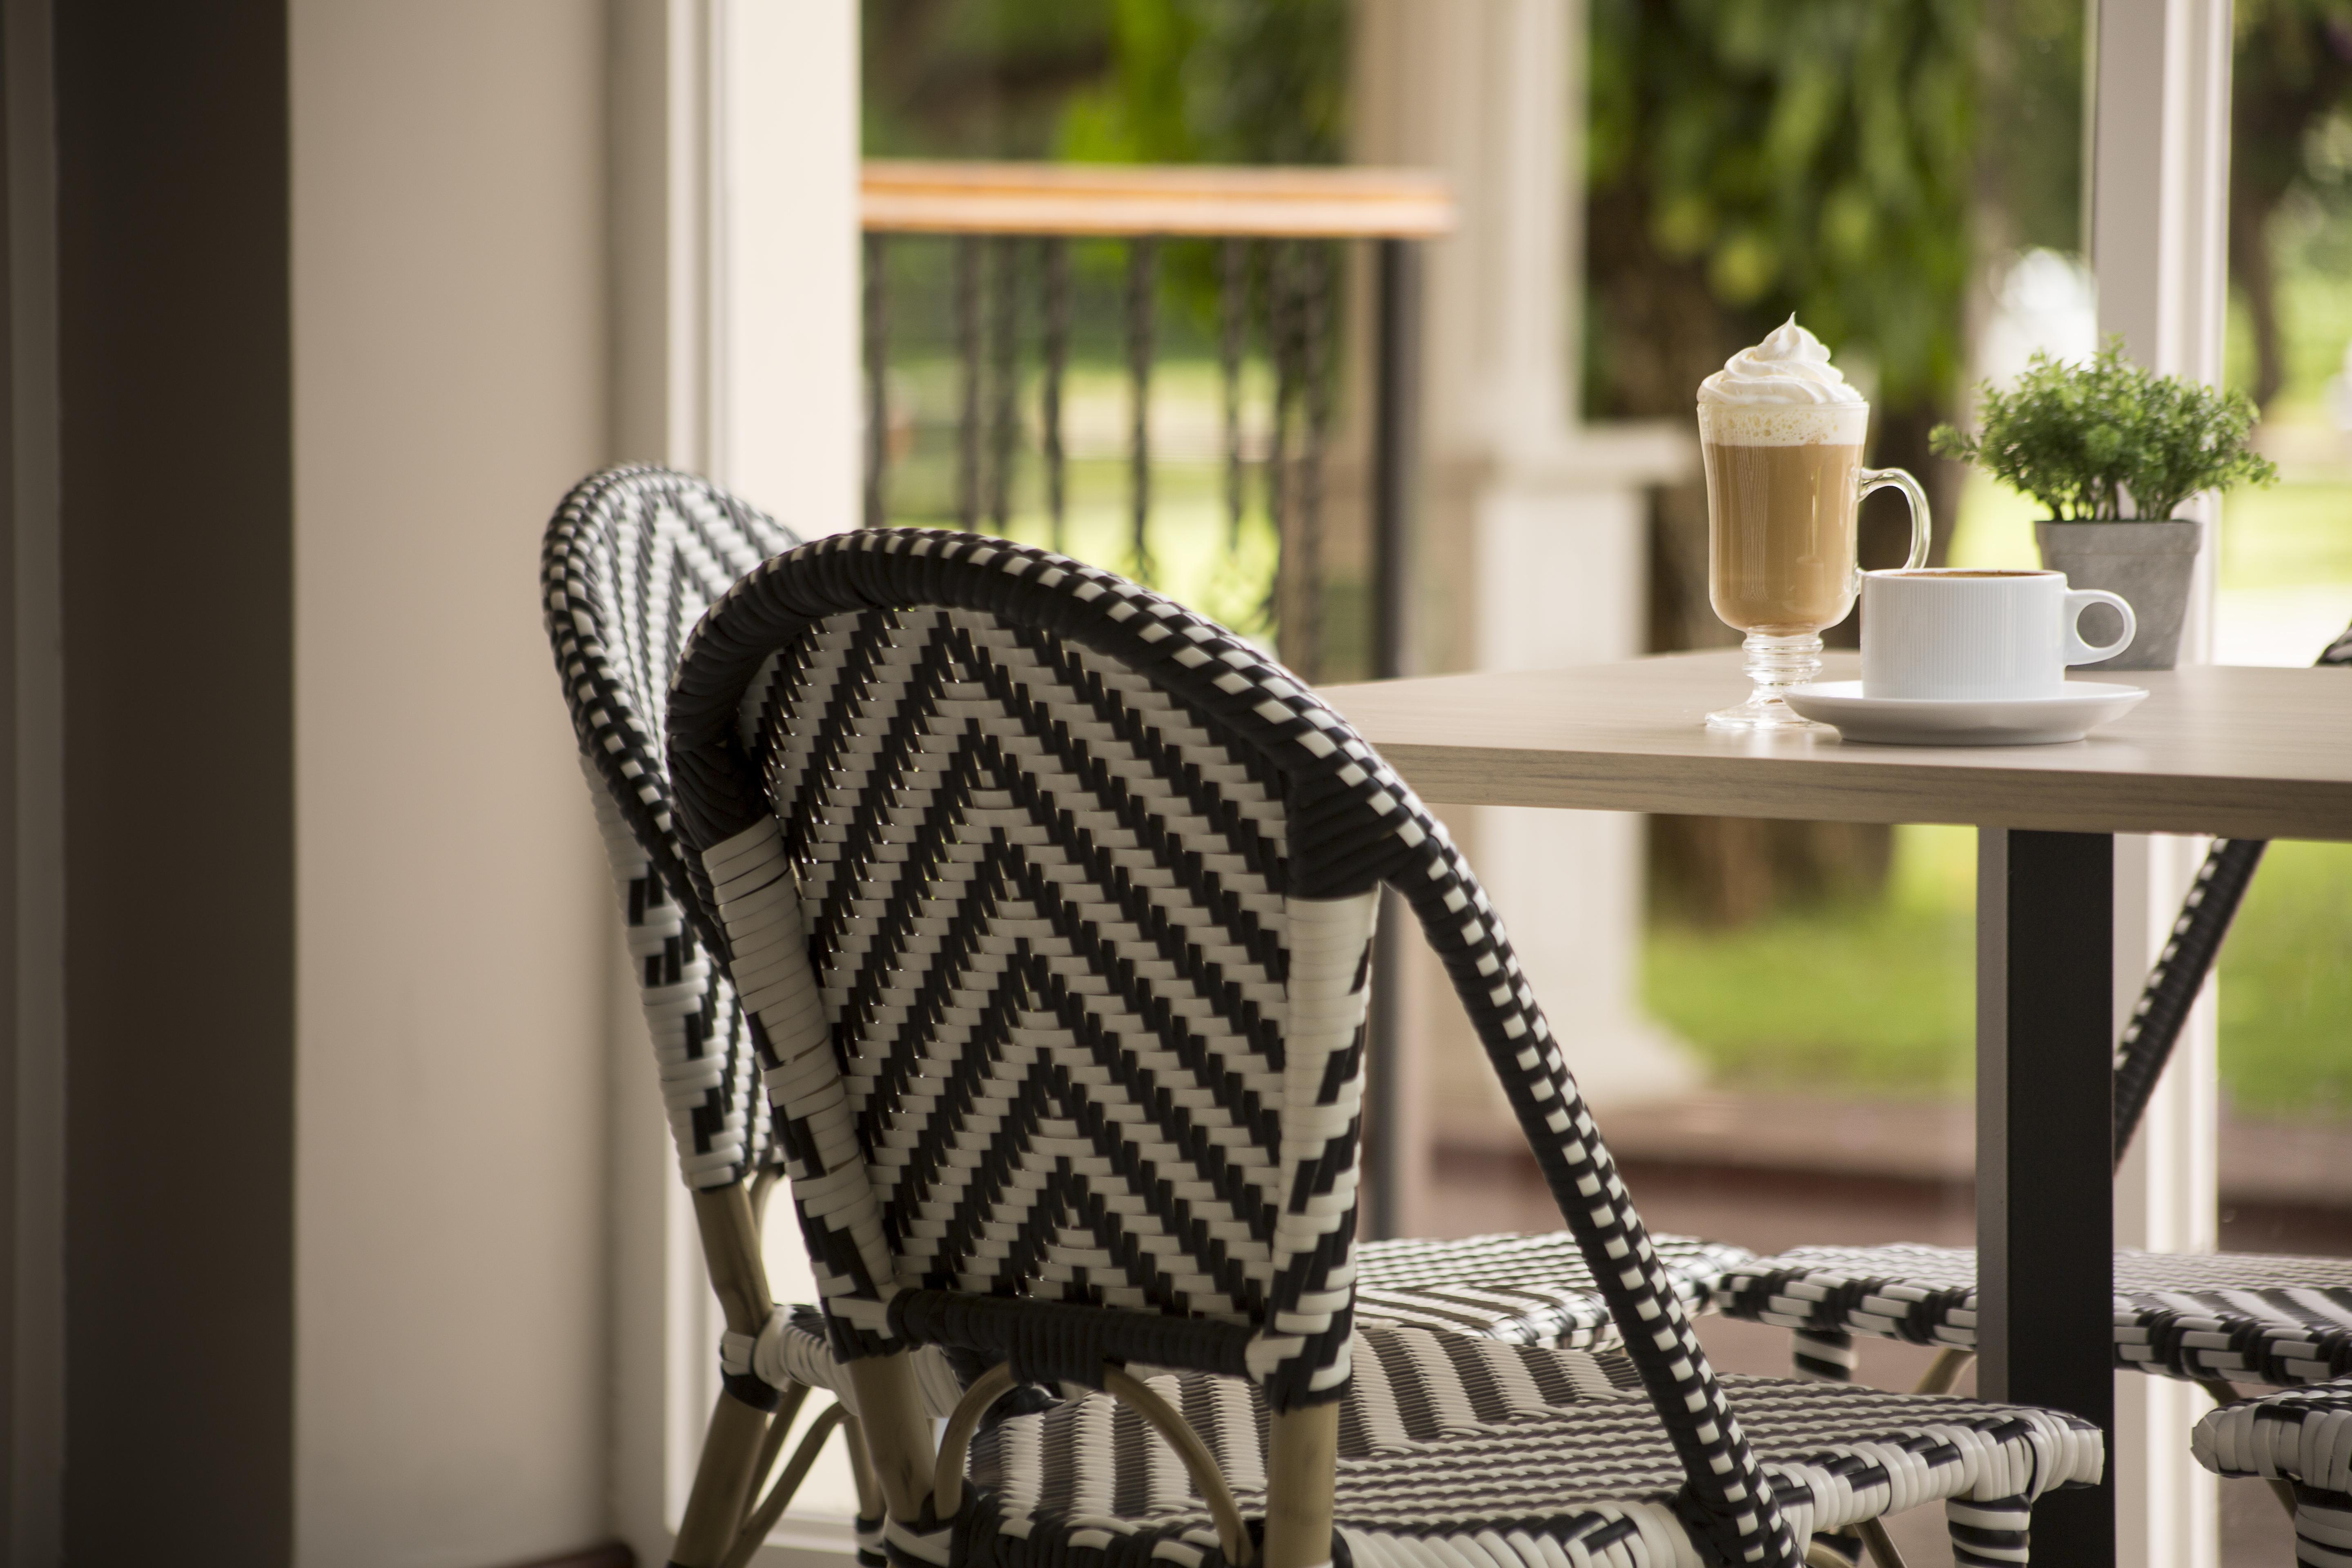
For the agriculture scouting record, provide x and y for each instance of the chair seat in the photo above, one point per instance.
(2237, 1316)
(2302, 1435)
(1531, 1288)
(1457, 1451)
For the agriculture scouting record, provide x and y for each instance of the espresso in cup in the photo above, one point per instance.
(1973, 635)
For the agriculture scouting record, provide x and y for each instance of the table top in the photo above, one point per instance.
(2242, 751)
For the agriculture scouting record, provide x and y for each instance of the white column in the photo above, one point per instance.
(1531, 545)
(2158, 231)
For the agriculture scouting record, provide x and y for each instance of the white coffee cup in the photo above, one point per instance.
(1960, 634)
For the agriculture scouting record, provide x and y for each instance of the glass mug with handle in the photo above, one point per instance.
(1782, 436)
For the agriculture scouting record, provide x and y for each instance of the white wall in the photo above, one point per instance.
(450, 382)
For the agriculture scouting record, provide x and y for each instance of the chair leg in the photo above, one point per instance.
(1823, 1355)
(868, 1525)
(1989, 1534)
(2323, 1528)
(1833, 1549)
(1945, 1370)
(722, 1485)
(1826, 1355)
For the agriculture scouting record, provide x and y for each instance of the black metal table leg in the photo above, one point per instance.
(1395, 474)
(2045, 1200)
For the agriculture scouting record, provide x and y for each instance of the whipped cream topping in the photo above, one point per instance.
(1790, 366)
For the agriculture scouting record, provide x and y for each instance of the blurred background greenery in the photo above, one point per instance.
(1878, 167)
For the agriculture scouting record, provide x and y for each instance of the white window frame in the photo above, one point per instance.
(733, 216)
(2160, 170)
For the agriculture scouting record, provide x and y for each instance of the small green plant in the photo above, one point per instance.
(2080, 438)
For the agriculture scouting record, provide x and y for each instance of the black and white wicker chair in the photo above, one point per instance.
(1053, 905)
(632, 559)
(630, 562)
(2215, 1318)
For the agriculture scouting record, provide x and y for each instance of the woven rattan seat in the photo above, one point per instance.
(2253, 1317)
(1052, 904)
(2300, 1439)
(1549, 1460)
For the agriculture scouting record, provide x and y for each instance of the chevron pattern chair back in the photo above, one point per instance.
(630, 562)
(1053, 903)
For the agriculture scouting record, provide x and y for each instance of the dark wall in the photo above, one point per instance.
(13, 1269)
(177, 503)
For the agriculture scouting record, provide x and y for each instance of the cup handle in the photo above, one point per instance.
(1871, 479)
(2080, 599)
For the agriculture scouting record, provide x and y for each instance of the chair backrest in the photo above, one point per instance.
(630, 562)
(1053, 904)
(2179, 971)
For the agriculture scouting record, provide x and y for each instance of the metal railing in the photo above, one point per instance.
(1025, 257)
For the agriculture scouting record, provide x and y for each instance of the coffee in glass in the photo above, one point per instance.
(1781, 435)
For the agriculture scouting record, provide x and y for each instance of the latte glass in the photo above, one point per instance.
(1784, 488)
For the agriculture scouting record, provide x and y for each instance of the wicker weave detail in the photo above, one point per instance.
(994, 747)
(630, 562)
(1521, 1456)
(1528, 1289)
(2303, 1435)
(2240, 1317)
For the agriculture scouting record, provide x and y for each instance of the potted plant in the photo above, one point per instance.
(2112, 449)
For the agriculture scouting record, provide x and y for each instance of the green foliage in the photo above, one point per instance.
(1811, 155)
(1872, 993)
(2286, 988)
(1106, 81)
(2078, 438)
(1215, 81)
(975, 79)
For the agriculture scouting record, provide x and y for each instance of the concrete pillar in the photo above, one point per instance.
(2158, 231)
(1532, 540)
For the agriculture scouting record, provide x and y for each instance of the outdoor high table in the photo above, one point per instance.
(2241, 753)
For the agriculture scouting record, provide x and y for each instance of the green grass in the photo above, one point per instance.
(1874, 997)
(1870, 997)
(2287, 536)
(2286, 987)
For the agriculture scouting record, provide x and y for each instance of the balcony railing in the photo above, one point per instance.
(1063, 352)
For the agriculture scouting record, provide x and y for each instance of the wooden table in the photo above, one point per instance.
(2250, 754)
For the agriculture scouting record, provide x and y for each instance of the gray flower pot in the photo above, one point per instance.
(2149, 565)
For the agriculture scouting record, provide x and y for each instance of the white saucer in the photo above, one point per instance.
(2067, 715)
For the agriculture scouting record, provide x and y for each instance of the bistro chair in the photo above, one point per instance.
(1052, 906)
(631, 560)
(2215, 1318)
